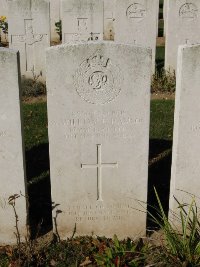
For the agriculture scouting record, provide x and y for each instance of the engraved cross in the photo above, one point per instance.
(99, 167)
(29, 39)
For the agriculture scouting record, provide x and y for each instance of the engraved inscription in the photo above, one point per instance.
(136, 11)
(195, 127)
(2, 133)
(188, 11)
(74, 37)
(82, 24)
(96, 212)
(99, 165)
(97, 80)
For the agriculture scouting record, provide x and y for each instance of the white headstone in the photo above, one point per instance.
(29, 32)
(98, 110)
(11, 149)
(182, 27)
(55, 16)
(136, 23)
(158, 19)
(109, 19)
(4, 8)
(186, 150)
(3, 12)
(82, 20)
(165, 5)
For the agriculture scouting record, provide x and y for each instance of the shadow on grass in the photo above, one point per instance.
(159, 176)
(39, 190)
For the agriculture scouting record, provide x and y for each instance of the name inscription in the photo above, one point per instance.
(111, 124)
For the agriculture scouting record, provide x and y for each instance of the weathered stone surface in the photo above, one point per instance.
(182, 27)
(29, 32)
(165, 5)
(3, 8)
(136, 23)
(98, 111)
(186, 149)
(11, 149)
(82, 20)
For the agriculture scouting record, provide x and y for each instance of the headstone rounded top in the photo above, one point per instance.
(136, 11)
(188, 11)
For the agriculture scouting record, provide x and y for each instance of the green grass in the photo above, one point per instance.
(161, 126)
(160, 57)
(35, 124)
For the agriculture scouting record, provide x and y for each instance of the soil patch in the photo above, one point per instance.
(165, 96)
(37, 99)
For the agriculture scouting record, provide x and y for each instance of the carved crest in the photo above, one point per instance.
(188, 11)
(97, 80)
(136, 11)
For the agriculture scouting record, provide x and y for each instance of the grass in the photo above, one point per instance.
(161, 126)
(160, 56)
(35, 124)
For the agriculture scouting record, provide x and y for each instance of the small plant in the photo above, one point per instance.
(58, 25)
(12, 202)
(163, 81)
(180, 247)
(3, 26)
(124, 253)
(33, 87)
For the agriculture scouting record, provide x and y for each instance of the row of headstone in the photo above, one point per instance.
(182, 27)
(96, 20)
(29, 27)
(98, 137)
(125, 22)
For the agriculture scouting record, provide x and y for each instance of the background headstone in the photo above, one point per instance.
(55, 15)
(109, 19)
(11, 148)
(136, 23)
(98, 111)
(186, 149)
(165, 6)
(182, 27)
(29, 32)
(82, 20)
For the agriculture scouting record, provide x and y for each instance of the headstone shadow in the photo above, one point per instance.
(158, 178)
(39, 190)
